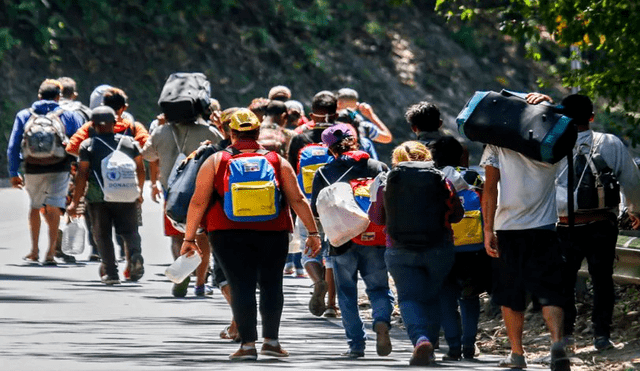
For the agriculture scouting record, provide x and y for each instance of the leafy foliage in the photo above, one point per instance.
(602, 35)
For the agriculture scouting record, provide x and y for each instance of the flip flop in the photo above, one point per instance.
(29, 259)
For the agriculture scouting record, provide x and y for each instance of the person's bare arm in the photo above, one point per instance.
(141, 174)
(154, 170)
(300, 205)
(489, 206)
(384, 134)
(82, 175)
(199, 203)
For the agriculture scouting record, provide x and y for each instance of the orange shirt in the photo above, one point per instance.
(138, 131)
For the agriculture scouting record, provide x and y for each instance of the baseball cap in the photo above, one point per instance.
(336, 133)
(103, 115)
(244, 120)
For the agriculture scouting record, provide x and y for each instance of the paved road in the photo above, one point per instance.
(63, 318)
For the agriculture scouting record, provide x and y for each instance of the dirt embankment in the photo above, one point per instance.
(411, 56)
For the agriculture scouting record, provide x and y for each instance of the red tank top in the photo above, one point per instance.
(217, 220)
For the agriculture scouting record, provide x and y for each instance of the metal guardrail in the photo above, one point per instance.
(627, 265)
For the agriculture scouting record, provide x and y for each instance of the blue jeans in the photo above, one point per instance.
(450, 316)
(419, 277)
(369, 261)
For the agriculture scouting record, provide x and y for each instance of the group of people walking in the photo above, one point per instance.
(275, 179)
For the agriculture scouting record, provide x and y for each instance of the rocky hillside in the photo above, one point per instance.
(393, 55)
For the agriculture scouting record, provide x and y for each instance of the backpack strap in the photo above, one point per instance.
(339, 179)
(175, 138)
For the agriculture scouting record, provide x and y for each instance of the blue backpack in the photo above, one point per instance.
(311, 157)
(251, 187)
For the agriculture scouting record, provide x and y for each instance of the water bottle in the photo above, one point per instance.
(182, 267)
(73, 237)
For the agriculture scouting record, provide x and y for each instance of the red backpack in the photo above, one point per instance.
(374, 235)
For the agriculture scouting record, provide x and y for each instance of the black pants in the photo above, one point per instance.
(597, 243)
(123, 217)
(249, 258)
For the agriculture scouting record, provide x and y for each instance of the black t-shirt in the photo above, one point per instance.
(95, 149)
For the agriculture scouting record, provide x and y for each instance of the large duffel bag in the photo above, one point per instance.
(185, 96)
(506, 120)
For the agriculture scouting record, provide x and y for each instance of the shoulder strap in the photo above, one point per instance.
(339, 179)
(175, 138)
(105, 143)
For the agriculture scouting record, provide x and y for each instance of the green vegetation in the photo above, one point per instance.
(603, 35)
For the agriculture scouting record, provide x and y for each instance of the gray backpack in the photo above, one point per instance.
(44, 139)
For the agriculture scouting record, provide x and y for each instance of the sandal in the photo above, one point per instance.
(31, 259)
(225, 334)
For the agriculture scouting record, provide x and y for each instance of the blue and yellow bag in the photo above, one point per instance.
(251, 187)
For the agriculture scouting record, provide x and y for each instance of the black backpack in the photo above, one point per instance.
(185, 97)
(415, 204)
(595, 185)
(506, 120)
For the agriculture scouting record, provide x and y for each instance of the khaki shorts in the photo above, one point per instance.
(47, 189)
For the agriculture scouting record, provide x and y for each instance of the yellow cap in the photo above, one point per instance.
(244, 120)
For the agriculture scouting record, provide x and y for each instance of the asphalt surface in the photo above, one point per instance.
(64, 318)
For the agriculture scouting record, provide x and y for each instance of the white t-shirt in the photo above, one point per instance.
(526, 192)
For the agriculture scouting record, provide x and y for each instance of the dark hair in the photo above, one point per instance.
(275, 108)
(447, 151)
(424, 115)
(345, 145)
(50, 89)
(68, 86)
(247, 135)
(114, 98)
(259, 106)
(349, 116)
(324, 102)
(579, 107)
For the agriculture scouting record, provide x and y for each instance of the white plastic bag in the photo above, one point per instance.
(341, 217)
(73, 236)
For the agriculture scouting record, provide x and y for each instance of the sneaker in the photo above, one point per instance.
(179, 290)
(569, 344)
(330, 312)
(469, 352)
(94, 258)
(49, 262)
(422, 354)
(203, 290)
(110, 280)
(513, 361)
(602, 343)
(383, 341)
(244, 355)
(274, 351)
(353, 354)
(69, 259)
(135, 268)
(453, 355)
(300, 273)
(316, 304)
(559, 359)
(288, 269)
